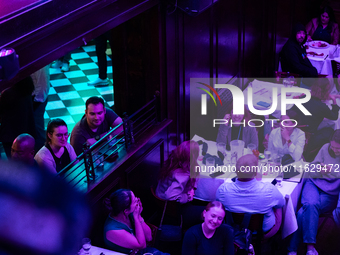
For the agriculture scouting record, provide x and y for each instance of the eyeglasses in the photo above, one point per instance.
(61, 135)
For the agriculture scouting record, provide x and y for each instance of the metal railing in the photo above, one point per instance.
(90, 164)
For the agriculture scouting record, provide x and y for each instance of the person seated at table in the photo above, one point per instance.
(319, 194)
(57, 152)
(125, 229)
(293, 55)
(324, 27)
(287, 139)
(238, 131)
(247, 195)
(178, 176)
(210, 237)
(319, 110)
(96, 122)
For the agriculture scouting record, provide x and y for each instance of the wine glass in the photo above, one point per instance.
(86, 245)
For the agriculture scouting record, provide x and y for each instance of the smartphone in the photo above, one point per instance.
(214, 175)
(264, 104)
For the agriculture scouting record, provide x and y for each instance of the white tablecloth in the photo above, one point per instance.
(323, 66)
(290, 190)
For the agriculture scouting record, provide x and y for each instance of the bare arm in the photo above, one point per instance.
(119, 130)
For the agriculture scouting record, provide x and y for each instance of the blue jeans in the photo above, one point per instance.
(336, 214)
(314, 202)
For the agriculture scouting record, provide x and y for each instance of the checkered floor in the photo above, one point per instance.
(69, 90)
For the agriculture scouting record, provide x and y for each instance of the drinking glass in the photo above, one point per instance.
(210, 161)
(279, 180)
(277, 160)
(267, 155)
(221, 147)
(251, 147)
(86, 245)
(227, 158)
(288, 83)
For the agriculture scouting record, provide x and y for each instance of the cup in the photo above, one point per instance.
(267, 154)
(277, 159)
(86, 245)
(210, 161)
(227, 158)
(237, 147)
(288, 83)
(279, 180)
(221, 147)
(251, 147)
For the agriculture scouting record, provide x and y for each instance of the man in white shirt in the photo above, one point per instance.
(247, 195)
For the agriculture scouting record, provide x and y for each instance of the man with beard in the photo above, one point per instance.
(293, 55)
(96, 122)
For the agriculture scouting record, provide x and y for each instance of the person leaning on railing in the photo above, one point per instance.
(96, 122)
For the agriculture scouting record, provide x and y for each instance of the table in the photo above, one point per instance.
(97, 251)
(262, 91)
(322, 66)
(290, 190)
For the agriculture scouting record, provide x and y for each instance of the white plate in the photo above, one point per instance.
(314, 44)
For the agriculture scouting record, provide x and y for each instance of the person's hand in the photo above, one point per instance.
(227, 117)
(140, 206)
(191, 194)
(309, 38)
(284, 133)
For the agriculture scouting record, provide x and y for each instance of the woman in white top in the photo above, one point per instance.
(57, 152)
(287, 139)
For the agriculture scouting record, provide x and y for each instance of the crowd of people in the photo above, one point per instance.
(125, 229)
(57, 152)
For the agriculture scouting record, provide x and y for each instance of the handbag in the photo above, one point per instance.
(242, 235)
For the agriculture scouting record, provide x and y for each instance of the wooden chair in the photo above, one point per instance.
(255, 225)
(170, 211)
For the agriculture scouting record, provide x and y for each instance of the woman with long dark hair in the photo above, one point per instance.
(319, 195)
(178, 176)
(57, 152)
(210, 237)
(324, 27)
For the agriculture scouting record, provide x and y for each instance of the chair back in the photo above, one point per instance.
(170, 209)
(255, 226)
(255, 223)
